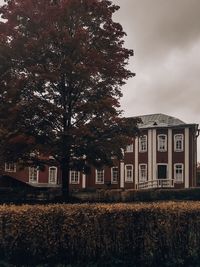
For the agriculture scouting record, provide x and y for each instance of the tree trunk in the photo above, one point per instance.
(65, 179)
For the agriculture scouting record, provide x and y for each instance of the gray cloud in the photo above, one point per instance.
(165, 36)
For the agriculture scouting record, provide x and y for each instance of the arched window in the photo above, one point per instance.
(74, 177)
(143, 143)
(162, 142)
(178, 142)
(52, 175)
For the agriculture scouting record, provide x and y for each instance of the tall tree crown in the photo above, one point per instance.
(63, 64)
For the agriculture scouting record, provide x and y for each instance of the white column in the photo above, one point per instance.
(186, 157)
(154, 145)
(170, 149)
(83, 180)
(122, 174)
(136, 162)
(150, 155)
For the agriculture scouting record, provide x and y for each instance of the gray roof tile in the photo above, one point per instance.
(159, 120)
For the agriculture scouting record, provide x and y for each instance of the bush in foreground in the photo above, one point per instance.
(157, 234)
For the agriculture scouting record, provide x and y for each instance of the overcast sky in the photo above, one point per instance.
(165, 37)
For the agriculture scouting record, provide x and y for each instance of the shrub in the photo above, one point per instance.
(157, 234)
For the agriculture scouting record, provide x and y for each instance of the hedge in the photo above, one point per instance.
(132, 195)
(156, 234)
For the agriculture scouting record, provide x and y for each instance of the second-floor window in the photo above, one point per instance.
(143, 143)
(129, 148)
(178, 142)
(162, 142)
(52, 175)
(33, 174)
(74, 177)
(114, 175)
(10, 167)
(129, 173)
(99, 176)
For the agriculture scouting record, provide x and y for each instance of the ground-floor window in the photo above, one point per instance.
(33, 174)
(178, 172)
(74, 177)
(10, 167)
(129, 173)
(99, 176)
(52, 175)
(142, 173)
(114, 175)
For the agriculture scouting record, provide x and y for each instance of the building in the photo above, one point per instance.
(164, 155)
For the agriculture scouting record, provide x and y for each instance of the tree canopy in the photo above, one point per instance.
(62, 66)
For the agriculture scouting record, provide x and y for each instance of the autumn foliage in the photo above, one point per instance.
(156, 234)
(62, 66)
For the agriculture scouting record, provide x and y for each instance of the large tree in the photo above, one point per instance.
(62, 66)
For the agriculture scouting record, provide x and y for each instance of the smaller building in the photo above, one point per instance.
(164, 155)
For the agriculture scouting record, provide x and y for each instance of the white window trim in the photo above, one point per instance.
(159, 149)
(33, 182)
(96, 181)
(175, 180)
(140, 145)
(56, 169)
(175, 149)
(140, 173)
(7, 167)
(114, 182)
(126, 179)
(74, 182)
(130, 148)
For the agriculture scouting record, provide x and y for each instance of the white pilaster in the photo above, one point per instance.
(150, 171)
(122, 174)
(170, 165)
(186, 157)
(136, 162)
(154, 145)
(83, 180)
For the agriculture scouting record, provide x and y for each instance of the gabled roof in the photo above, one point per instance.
(159, 120)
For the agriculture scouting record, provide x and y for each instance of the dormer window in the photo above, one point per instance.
(162, 142)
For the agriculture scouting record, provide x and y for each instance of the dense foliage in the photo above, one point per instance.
(62, 66)
(156, 234)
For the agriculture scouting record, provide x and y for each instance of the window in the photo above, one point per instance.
(178, 172)
(74, 177)
(52, 175)
(33, 174)
(162, 143)
(129, 148)
(129, 173)
(143, 172)
(143, 143)
(99, 176)
(178, 142)
(114, 175)
(10, 167)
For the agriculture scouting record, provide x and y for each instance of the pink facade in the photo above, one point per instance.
(165, 155)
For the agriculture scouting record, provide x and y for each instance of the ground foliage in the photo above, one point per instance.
(156, 234)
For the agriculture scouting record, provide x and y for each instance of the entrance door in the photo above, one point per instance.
(162, 171)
